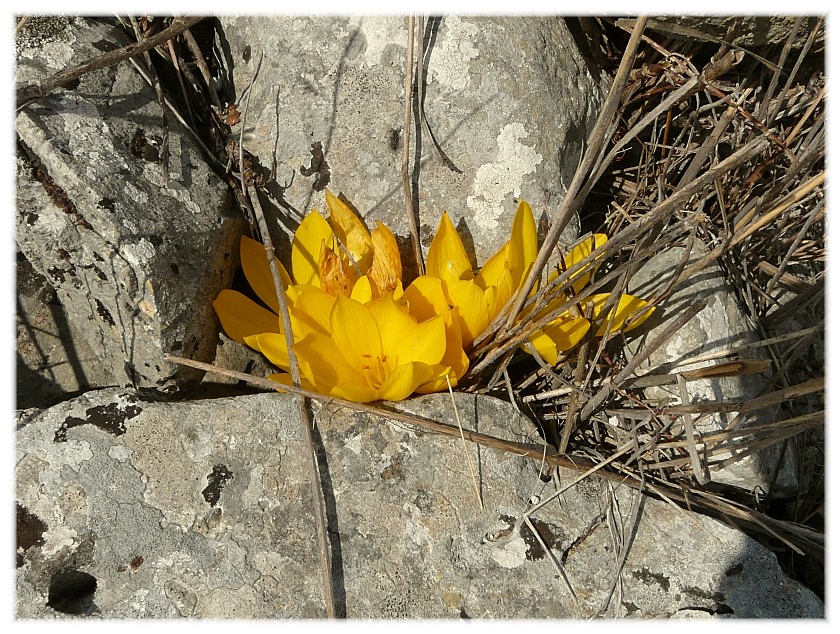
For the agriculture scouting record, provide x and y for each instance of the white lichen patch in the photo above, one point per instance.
(379, 33)
(512, 554)
(56, 539)
(71, 453)
(138, 253)
(450, 61)
(354, 444)
(494, 181)
(119, 453)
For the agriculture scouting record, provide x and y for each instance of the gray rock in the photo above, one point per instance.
(134, 265)
(53, 361)
(720, 326)
(202, 509)
(510, 101)
(752, 30)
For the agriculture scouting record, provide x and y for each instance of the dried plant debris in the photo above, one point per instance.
(710, 146)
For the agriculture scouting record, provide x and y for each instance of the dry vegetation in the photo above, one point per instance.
(699, 142)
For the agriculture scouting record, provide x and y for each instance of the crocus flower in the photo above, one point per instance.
(478, 299)
(365, 352)
(351, 331)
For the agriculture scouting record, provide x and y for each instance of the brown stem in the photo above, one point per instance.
(33, 92)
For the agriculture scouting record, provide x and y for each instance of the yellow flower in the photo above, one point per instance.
(477, 299)
(351, 332)
(368, 352)
(358, 335)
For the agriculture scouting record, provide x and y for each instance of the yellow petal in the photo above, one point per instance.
(425, 342)
(544, 345)
(386, 268)
(584, 248)
(454, 363)
(447, 258)
(494, 268)
(504, 290)
(362, 291)
(241, 316)
(255, 266)
(395, 326)
(310, 312)
(628, 307)
(306, 248)
(273, 346)
(560, 335)
(471, 303)
(426, 298)
(402, 382)
(356, 392)
(398, 291)
(438, 381)
(323, 365)
(454, 357)
(351, 231)
(337, 276)
(523, 242)
(356, 334)
(576, 254)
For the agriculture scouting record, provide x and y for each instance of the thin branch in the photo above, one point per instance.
(33, 92)
(411, 213)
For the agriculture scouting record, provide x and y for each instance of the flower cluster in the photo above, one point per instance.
(359, 335)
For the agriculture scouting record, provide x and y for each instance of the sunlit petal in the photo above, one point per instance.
(306, 248)
(404, 380)
(576, 254)
(286, 379)
(395, 326)
(562, 334)
(362, 291)
(323, 365)
(356, 392)
(494, 268)
(438, 381)
(273, 347)
(424, 342)
(447, 259)
(310, 312)
(257, 271)
(454, 356)
(628, 307)
(523, 242)
(355, 333)
(426, 298)
(504, 291)
(351, 231)
(472, 308)
(241, 316)
(386, 268)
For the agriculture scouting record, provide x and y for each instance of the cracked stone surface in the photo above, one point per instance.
(721, 325)
(509, 101)
(133, 264)
(132, 508)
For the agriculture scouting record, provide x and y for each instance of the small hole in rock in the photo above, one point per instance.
(71, 592)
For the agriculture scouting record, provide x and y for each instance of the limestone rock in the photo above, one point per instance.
(134, 264)
(721, 325)
(510, 101)
(753, 30)
(130, 508)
